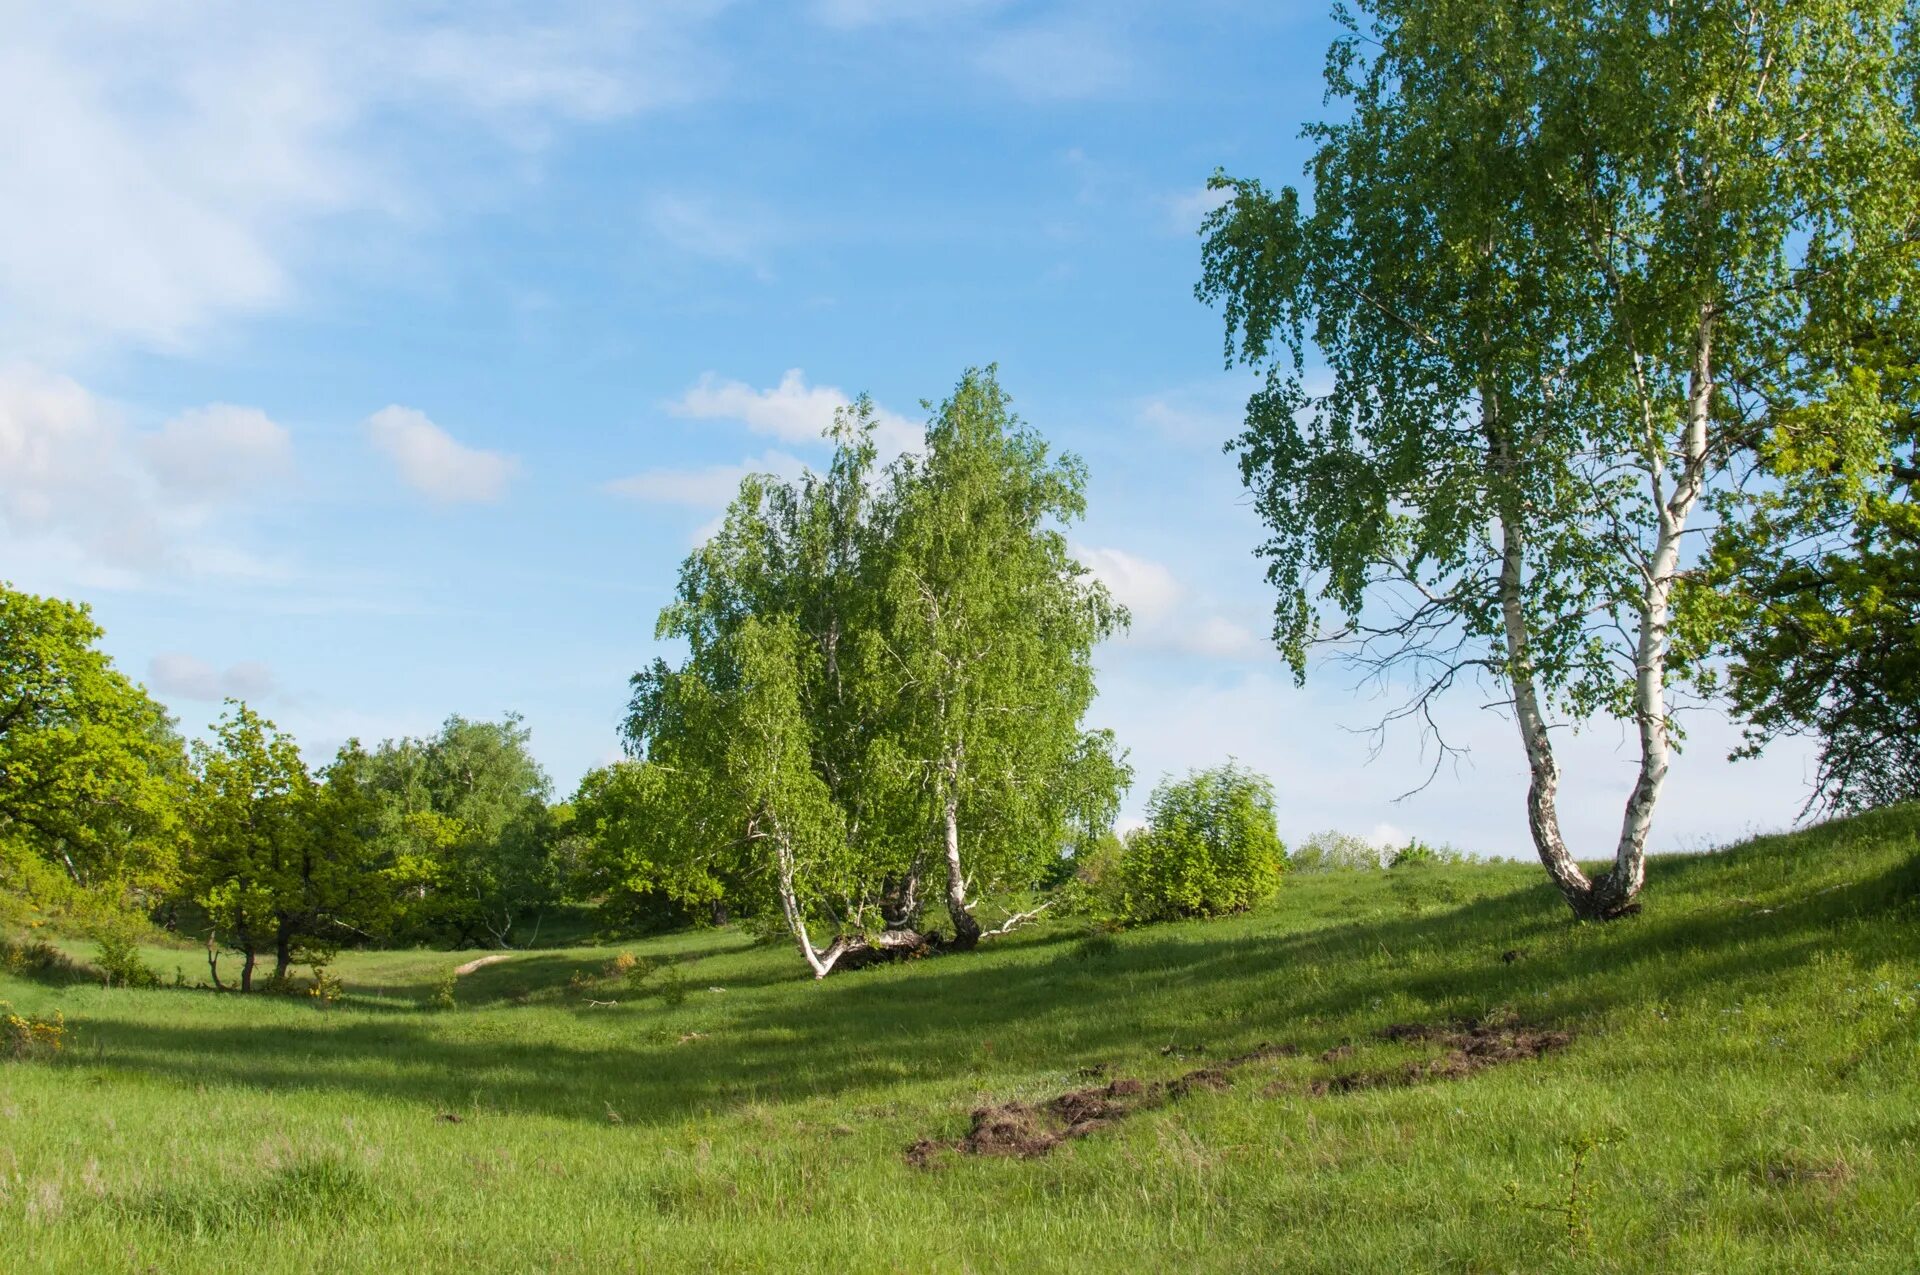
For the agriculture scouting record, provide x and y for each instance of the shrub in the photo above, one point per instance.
(326, 987)
(673, 987)
(117, 957)
(1334, 851)
(1417, 853)
(32, 1035)
(442, 996)
(1209, 847)
(37, 959)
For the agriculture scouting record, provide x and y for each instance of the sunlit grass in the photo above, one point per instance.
(1746, 1058)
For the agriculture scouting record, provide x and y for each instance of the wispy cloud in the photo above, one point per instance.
(434, 463)
(169, 164)
(96, 500)
(791, 411)
(705, 487)
(1056, 61)
(183, 676)
(1167, 614)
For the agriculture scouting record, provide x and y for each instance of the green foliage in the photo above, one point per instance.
(37, 959)
(91, 770)
(248, 817)
(326, 987)
(1417, 853)
(1812, 586)
(464, 831)
(1555, 259)
(1335, 851)
(442, 995)
(883, 688)
(1210, 847)
(29, 1036)
(117, 957)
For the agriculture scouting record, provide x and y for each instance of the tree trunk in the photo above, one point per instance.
(246, 969)
(282, 949)
(966, 930)
(1616, 892)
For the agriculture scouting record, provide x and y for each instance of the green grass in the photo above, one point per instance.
(1746, 1054)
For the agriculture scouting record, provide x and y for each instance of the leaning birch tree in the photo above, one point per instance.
(1554, 256)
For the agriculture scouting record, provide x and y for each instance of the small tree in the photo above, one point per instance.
(250, 831)
(1210, 847)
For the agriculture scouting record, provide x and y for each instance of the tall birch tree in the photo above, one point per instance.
(1554, 254)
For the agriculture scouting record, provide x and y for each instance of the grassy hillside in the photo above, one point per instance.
(1739, 1079)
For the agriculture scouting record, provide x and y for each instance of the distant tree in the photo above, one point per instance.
(627, 859)
(1554, 256)
(91, 771)
(1210, 847)
(465, 829)
(1333, 851)
(251, 859)
(884, 683)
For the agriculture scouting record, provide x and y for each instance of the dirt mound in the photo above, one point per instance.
(1468, 1047)
(1024, 1130)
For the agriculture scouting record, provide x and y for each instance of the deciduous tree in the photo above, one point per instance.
(1552, 253)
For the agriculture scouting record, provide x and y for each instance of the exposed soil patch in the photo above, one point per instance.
(1023, 1129)
(461, 971)
(1468, 1046)
(1033, 1129)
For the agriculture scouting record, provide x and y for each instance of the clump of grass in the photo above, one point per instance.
(324, 1189)
(1096, 944)
(442, 996)
(672, 987)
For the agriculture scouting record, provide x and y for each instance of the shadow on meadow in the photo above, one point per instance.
(1047, 1003)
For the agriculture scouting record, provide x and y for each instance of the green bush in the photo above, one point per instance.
(117, 957)
(1335, 851)
(1417, 853)
(1209, 847)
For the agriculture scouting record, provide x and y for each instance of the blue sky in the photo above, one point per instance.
(382, 361)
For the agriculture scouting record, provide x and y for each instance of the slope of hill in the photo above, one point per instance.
(1430, 1069)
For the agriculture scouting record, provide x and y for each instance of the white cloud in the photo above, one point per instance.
(791, 411)
(1057, 61)
(88, 499)
(707, 487)
(183, 676)
(1187, 210)
(1167, 616)
(218, 450)
(705, 228)
(434, 463)
(168, 165)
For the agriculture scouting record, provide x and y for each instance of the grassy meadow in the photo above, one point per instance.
(1740, 1091)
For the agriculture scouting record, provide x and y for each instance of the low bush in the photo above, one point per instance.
(1335, 851)
(1417, 853)
(117, 956)
(24, 1036)
(1210, 847)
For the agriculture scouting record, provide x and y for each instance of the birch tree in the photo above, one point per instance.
(989, 633)
(1553, 254)
(883, 687)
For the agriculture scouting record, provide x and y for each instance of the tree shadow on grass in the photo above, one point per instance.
(1003, 1011)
